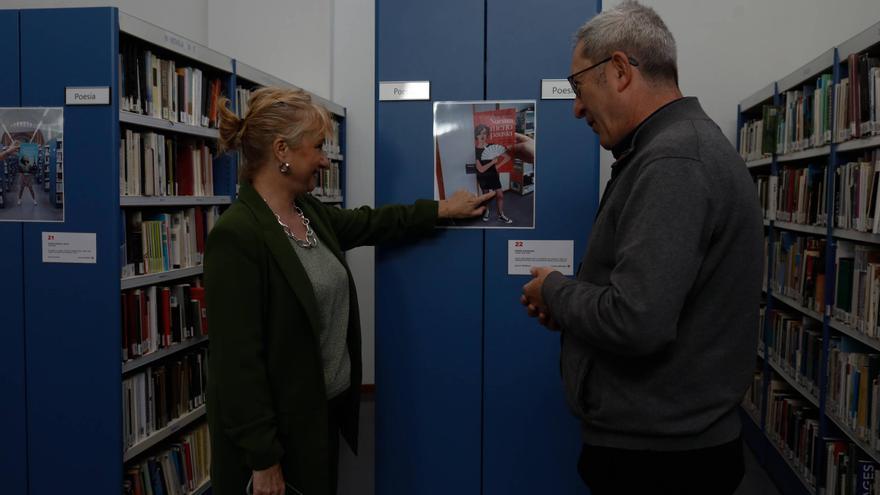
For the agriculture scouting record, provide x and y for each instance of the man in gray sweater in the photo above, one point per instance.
(659, 327)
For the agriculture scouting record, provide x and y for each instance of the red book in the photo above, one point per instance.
(200, 230)
(198, 295)
(188, 464)
(146, 324)
(215, 96)
(132, 327)
(126, 352)
(185, 170)
(165, 328)
(141, 308)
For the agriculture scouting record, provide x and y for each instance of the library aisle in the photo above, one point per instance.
(33, 208)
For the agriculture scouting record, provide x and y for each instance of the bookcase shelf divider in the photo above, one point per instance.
(157, 437)
(160, 278)
(147, 359)
(167, 125)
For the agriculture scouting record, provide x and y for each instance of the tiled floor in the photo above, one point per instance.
(356, 475)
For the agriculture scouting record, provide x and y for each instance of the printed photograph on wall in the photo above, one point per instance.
(483, 146)
(31, 164)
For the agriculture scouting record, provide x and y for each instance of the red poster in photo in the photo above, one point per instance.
(502, 128)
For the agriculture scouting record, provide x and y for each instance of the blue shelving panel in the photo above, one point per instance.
(13, 454)
(428, 296)
(523, 391)
(72, 310)
(461, 308)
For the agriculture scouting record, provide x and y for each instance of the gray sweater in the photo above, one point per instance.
(660, 325)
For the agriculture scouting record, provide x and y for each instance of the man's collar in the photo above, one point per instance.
(675, 109)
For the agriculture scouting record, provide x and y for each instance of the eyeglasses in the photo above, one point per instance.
(574, 84)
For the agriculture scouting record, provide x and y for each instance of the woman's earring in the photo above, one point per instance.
(284, 168)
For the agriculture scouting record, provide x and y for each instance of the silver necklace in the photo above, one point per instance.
(311, 239)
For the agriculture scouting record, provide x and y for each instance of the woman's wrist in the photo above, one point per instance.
(442, 209)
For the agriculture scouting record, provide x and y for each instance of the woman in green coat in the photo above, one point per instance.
(285, 350)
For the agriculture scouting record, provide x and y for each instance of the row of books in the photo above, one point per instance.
(331, 144)
(155, 242)
(799, 198)
(861, 93)
(752, 138)
(757, 137)
(792, 424)
(856, 194)
(157, 87)
(329, 182)
(798, 194)
(177, 470)
(794, 343)
(158, 317)
(818, 113)
(857, 286)
(242, 95)
(853, 390)
(162, 393)
(806, 116)
(799, 271)
(152, 164)
(754, 397)
(848, 470)
(767, 188)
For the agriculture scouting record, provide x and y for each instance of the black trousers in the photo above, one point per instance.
(713, 470)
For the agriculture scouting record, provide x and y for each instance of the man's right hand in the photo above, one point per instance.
(269, 481)
(542, 315)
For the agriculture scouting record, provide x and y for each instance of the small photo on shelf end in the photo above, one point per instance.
(487, 146)
(32, 164)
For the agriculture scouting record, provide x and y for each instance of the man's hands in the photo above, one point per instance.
(533, 299)
(524, 148)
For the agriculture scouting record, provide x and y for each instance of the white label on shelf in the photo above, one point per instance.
(99, 95)
(69, 247)
(179, 44)
(556, 89)
(404, 90)
(523, 255)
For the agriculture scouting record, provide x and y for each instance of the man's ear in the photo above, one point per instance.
(623, 71)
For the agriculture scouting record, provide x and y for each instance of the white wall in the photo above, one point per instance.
(455, 144)
(184, 17)
(728, 50)
(290, 39)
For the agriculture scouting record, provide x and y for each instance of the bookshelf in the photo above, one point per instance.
(70, 386)
(331, 183)
(811, 142)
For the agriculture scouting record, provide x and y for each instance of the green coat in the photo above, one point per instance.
(266, 396)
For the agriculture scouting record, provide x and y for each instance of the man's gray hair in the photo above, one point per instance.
(639, 32)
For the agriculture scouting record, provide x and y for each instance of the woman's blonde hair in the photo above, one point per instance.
(272, 112)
